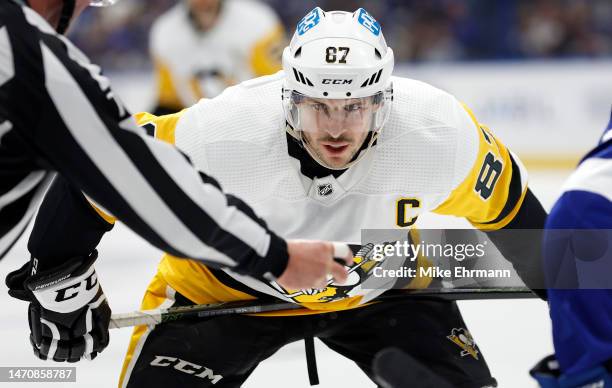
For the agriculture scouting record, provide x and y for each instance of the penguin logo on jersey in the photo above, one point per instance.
(325, 190)
(463, 339)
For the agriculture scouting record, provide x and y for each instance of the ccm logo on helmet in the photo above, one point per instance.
(336, 81)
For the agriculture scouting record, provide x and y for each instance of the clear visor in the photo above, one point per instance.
(337, 133)
(102, 3)
(355, 115)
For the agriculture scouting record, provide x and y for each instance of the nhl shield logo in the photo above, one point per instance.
(325, 190)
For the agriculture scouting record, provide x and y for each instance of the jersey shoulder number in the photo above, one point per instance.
(492, 191)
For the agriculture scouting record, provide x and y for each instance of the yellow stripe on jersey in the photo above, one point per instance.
(167, 95)
(165, 126)
(488, 196)
(157, 296)
(194, 281)
(266, 53)
(105, 216)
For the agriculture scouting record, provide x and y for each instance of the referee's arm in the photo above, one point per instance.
(64, 108)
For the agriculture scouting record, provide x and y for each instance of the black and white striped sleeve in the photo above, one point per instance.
(64, 108)
(22, 182)
(20, 192)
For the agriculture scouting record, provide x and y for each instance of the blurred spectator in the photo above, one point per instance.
(418, 30)
(551, 29)
(116, 37)
(200, 47)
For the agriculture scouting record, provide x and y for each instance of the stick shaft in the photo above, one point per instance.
(157, 316)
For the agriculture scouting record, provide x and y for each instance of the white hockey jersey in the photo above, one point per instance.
(432, 155)
(245, 42)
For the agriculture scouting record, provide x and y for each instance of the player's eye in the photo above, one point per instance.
(319, 107)
(353, 107)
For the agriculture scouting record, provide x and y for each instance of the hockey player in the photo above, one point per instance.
(332, 145)
(579, 236)
(200, 47)
(58, 114)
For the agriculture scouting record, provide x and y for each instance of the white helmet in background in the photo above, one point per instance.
(67, 11)
(337, 55)
(102, 3)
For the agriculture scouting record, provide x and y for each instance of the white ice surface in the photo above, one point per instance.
(512, 334)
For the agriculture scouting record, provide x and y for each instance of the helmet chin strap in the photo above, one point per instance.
(66, 16)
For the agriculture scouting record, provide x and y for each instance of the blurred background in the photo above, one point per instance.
(538, 72)
(418, 31)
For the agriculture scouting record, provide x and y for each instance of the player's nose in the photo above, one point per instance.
(335, 126)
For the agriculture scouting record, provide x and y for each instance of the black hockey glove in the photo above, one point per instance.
(68, 312)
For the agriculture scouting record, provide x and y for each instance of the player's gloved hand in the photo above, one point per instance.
(549, 375)
(68, 312)
(312, 262)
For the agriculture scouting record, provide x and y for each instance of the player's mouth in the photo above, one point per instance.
(335, 148)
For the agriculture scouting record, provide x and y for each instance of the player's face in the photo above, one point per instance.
(335, 129)
(205, 12)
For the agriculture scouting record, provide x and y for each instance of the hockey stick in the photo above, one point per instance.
(157, 316)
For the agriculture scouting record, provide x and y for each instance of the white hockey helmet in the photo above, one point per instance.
(340, 56)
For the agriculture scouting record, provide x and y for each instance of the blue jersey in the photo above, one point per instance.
(582, 318)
